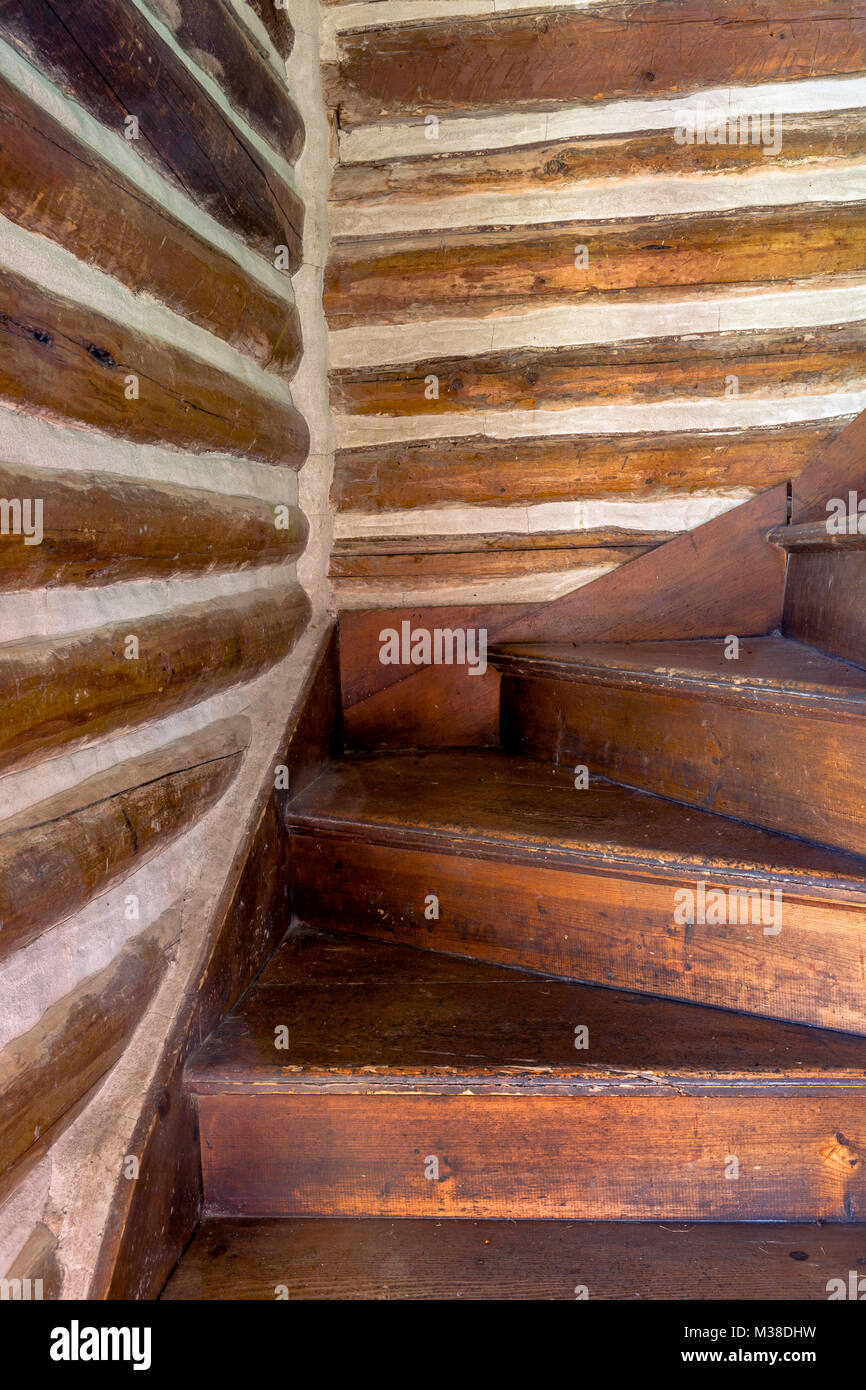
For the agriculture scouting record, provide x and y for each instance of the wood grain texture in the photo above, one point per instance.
(780, 759)
(63, 690)
(345, 1260)
(70, 363)
(719, 578)
(793, 362)
(556, 164)
(218, 43)
(824, 601)
(477, 469)
(251, 917)
(448, 274)
(277, 23)
(102, 528)
(77, 1040)
(445, 560)
(37, 1261)
(105, 55)
(838, 469)
(623, 50)
(55, 185)
(58, 855)
(530, 871)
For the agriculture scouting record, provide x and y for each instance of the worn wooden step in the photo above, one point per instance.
(505, 859)
(762, 728)
(363, 1079)
(343, 1259)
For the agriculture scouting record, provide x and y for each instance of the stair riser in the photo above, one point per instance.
(600, 927)
(643, 1157)
(793, 771)
(824, 602)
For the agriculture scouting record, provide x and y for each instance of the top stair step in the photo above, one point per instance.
(814, 535)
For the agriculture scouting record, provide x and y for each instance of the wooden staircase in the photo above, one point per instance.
(613, 972)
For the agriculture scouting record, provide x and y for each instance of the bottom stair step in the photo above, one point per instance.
(501, 1260)
(415, 1084)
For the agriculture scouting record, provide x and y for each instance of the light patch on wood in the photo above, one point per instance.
(539, 587)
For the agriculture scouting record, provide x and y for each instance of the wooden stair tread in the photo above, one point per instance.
(369, 1018)
(496, 805)
(814, 535)
(345, 1259)
(773, 668)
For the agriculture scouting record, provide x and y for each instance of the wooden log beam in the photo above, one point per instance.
(68, 362)
(446, 560)
(771, 363)
(452, 274)
(277, 24)
(100, 528)
(213, 37)
(105, 55)
(53, 184)
(45, 1071)
(556, 164)
(65, 690)
(609, 51)
(475, 469)
(57, 855)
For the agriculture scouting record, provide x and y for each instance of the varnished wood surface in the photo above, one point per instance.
(454, 1073)
(102, 528)
(59, 854)
(772, 671)
(451, 274)
(345, 1260)
(824, 600)
(625, 50)
(816, 536)
(72, 364)
(59, 691)
(54, 184)
(107, 56)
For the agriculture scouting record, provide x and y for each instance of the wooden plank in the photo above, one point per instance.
(78, 1039)
(448, 559)
(101, 528)
(448, 274)
(719, 578)
(771, 740)
(695, 365)
(476, 469)
(60, 691)
(496, 1261)
(620, 50)
(37, 1263)
(555, 164)
(58, 855)
(837, 470)
(55, 185)
(68, 362)
(105, 55)
(250, 919)
(215, 39)
(824, 601)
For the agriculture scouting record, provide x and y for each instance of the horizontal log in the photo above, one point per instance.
(68, 362)
(449, 560)
(696, 365)
(64, 690)
(100, 528)
(277, 24)
(57, 855)
(213, 37)
(451, 274)
(444, 472)
(557, 164)
(618, 50)
(45, 1071)
(55, 185)
(107, 56)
